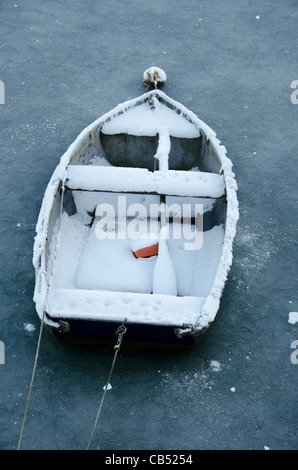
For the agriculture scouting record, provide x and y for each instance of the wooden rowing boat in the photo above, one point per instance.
(137, 225)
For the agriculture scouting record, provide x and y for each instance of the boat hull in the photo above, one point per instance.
(138, 337)
(108, 160)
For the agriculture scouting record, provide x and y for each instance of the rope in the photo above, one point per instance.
(120, 332)
(32, 380)
(39, 338)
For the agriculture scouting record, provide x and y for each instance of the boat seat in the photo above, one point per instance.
(141, 180)
(115, 306)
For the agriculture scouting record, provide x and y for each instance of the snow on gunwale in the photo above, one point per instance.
(210, 307)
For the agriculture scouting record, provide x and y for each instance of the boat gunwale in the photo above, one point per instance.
(211, 305)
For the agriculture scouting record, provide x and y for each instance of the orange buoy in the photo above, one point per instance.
(147, 251)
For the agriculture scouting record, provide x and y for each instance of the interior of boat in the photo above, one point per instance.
(123, 187)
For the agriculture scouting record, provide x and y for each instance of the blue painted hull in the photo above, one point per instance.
(138, 337)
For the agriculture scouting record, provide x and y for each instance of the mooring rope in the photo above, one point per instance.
(120, 332)
(62, 190)
(32, 380)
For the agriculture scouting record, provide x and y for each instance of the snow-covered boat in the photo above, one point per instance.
(137, 225)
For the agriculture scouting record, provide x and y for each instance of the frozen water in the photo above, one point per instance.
(64, 64)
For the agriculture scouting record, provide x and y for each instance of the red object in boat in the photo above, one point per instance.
(147, 252)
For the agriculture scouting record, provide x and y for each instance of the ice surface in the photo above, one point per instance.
(236, 76)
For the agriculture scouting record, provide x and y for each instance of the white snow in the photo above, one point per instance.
(122, 179)
(293, 318)
(215, 366)
(164, 147)
(85, 262)
(29, 327)
(154, 75)
(164, 276)
(143, 241)
(92, 276)
(99, 160)
(143, 120)
(200, 277)
(107, 387)
(115, 306)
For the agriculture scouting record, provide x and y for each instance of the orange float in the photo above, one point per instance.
(147, 251)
